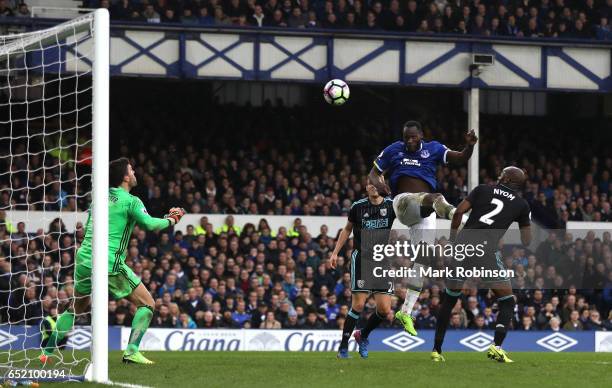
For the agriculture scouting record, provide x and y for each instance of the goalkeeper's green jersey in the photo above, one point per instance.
(124, 212)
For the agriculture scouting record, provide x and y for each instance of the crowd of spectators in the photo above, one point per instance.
(14, 8)
(297, 161)
(583, 19)
(254, 277)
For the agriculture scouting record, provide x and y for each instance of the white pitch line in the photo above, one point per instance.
(126, 385)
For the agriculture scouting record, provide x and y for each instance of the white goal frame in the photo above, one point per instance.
(100, 154)
(97, 369)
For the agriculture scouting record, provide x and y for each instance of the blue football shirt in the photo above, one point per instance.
(422, 164)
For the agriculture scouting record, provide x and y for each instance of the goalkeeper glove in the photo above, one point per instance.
(175, 214)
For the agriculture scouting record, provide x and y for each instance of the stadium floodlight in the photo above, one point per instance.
(54, 123)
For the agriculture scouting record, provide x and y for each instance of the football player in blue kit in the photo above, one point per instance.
(411, 165)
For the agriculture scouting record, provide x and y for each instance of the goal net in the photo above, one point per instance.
(53, 120)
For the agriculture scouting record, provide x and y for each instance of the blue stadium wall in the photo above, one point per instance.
(22, 337)
(376, 58)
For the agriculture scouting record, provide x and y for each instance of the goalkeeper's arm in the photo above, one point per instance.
(144, 220)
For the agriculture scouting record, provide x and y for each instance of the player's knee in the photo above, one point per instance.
(80, 305)
(430, 198)
(144, 298)
(358, 305)
(383, 310)
(144, 301)
(434, 196)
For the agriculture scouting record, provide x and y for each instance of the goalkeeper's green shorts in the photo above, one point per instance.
(120, 284)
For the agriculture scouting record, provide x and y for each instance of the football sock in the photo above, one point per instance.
(140, 324)
(412, 296)
(349, 326)
(371, 324)
(63, 325)
(414, 286)
(504, 316)
(449, 300)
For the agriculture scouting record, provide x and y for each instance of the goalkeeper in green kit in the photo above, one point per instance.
(124, 212)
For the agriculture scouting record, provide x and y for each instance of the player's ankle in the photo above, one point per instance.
(131, 349)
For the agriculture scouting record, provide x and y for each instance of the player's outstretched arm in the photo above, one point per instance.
(460, 157)
(344, 235)
(464, 207)
(139, 213)
(377, 179)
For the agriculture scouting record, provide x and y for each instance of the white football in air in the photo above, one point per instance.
(336, 92)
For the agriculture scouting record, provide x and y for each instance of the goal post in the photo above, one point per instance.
(100, 129)
(54, 156)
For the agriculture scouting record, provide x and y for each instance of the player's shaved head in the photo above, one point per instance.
(413, 124)
(412, 135)
(513, 177)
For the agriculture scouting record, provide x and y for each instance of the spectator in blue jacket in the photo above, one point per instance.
(424, 319)
(240, 316)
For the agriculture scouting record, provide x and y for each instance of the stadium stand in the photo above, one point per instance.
(522, 19)
(274, 159)
(545, 18)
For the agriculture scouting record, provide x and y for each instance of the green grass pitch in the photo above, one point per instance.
(382, 369)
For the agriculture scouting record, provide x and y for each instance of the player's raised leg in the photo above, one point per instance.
(410, 208)
(416, 211)
(438, 203)
(407, 207)
(141, 298)
(383, 306)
